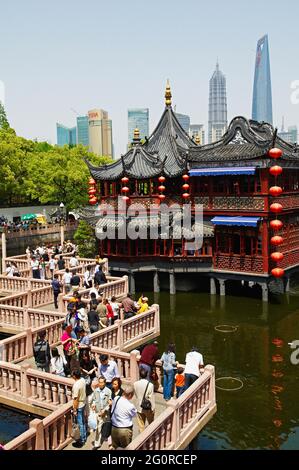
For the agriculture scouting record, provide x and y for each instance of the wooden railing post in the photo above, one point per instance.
(25, 382)
(38, 425)
(3, 241)
(126, 278)
(61, 303)
(134, 369)
(29, 285)
(29, 343)
(157, 318)
(26, 318)
(212, 390)
(120, 336)
(29, 298)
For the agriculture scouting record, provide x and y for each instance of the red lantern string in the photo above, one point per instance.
(161, 188)
(125, 189)
(185, 187)
(92, 191)
(276, 208)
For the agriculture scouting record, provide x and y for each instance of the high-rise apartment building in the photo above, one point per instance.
(290, 136)
(197, 130)
(217, 106)
(138, 117)
(184, 121)
(100, 133)
(66, 135)
(83, 131)
(262, 92)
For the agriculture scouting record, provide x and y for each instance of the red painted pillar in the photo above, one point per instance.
(265, 187)
(265, 246)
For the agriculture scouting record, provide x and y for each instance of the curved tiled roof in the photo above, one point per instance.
(137, 163)
(159, 154)
(244, 140)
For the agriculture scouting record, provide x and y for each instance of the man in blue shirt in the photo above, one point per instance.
(108, 369)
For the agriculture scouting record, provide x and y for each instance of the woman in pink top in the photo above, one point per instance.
(69, 347)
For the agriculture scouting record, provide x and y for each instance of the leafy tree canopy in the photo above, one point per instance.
(40, 172)
(85, 239)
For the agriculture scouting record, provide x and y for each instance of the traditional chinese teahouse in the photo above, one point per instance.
(244, 182)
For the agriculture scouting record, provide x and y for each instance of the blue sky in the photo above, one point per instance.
(66, 54)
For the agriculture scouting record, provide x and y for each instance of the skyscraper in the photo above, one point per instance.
(82, 131)
(290, 136)
(138, 117)
(217, 106)
(197, 130)
(184, 121)
(262, 92)
(100, 133)
(66, 135)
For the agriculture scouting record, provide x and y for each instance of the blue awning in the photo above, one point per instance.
(245, 170)
(241, 221)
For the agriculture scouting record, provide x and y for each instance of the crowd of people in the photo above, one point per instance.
(102, 404)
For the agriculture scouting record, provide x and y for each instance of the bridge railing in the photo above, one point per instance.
(34, 387)
(19, 284)
(51, 433)
(127, 334)
(117, 287)
(18, 317)
(176, 425)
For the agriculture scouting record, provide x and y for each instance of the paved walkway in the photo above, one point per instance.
(160, 407)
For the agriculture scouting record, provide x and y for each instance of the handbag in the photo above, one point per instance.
(75, 433)
(107, 425)
(146, 404)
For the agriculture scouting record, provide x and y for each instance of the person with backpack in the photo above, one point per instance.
(169, 366)
(56, 286)
(144, 392)
(41, 351)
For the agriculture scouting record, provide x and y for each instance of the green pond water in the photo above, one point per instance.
(264, 413)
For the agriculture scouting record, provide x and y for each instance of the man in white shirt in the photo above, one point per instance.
(108, 369)
(52, 265)
(79, 401)
(88, 278)
(35, 268)
(74, 262)
(66, 279)
(122, 414)
(144, 389)
(10, 270)
(194, 364)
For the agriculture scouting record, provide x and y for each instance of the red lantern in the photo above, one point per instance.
(186, 195)
(276, 241)
(125, 189)
(277, 272)
(185, 177)
(275, 153)
(276, 208)
(126, 198)
(276, 225)
(275, 170)
(93, 200)
(91, 182)
(161, 197)
(186, 187)
(275, 191)
(125, 180)
(277, 256)
(161, 188)
(92, 191)
(161, 179)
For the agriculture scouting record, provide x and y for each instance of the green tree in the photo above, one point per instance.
(60, 174)
(4, 124)
(85, 239)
